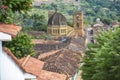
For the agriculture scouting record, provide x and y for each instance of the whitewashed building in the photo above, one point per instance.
(10, 69)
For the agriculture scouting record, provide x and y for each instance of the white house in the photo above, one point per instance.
(98, 23)
(10, 69)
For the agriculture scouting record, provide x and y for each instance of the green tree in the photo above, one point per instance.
(102, 59)
(20, 45)
(70, 24)
(53, 6)
(9, 7)
(107, 21)
(39, 22)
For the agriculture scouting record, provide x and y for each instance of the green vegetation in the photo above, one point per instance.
(36, 19)
(10, 12)
(9, 7)
(102, 59)
(20, 45)
(108, 11)
(34, 22)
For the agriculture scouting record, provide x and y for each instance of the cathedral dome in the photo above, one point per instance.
(57, 19)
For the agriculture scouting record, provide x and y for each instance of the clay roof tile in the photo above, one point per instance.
(10, 29)
(34, 66)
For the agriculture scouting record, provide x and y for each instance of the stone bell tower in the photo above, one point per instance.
(78, 23)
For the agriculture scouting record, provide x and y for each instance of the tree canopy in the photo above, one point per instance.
(9, 7)
(102, 59)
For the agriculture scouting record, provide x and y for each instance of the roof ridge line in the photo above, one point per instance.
(25, 61)
(11, 55)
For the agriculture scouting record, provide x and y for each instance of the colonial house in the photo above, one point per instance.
(63, 61)
(99, 26)
(35, 66)
(10, 69)
(98, 23)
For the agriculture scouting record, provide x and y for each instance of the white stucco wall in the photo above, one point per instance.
(29, 76)
(0, 57)
(9, 69)
(5, 37)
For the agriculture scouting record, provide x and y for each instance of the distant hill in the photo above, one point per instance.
(107, 10)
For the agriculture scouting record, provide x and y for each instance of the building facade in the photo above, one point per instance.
(10, 69)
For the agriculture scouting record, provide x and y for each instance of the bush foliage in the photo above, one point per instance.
(20, 45)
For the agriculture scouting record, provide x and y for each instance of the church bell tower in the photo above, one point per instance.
(78, 23)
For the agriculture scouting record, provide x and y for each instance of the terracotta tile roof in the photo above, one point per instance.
(41, 41)
(77, 44)
(34, 66)
(9, 29)
(43, 48)
(35, 34)
(64, 61)
(47, 75)
(47, 54)
(9, 53)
